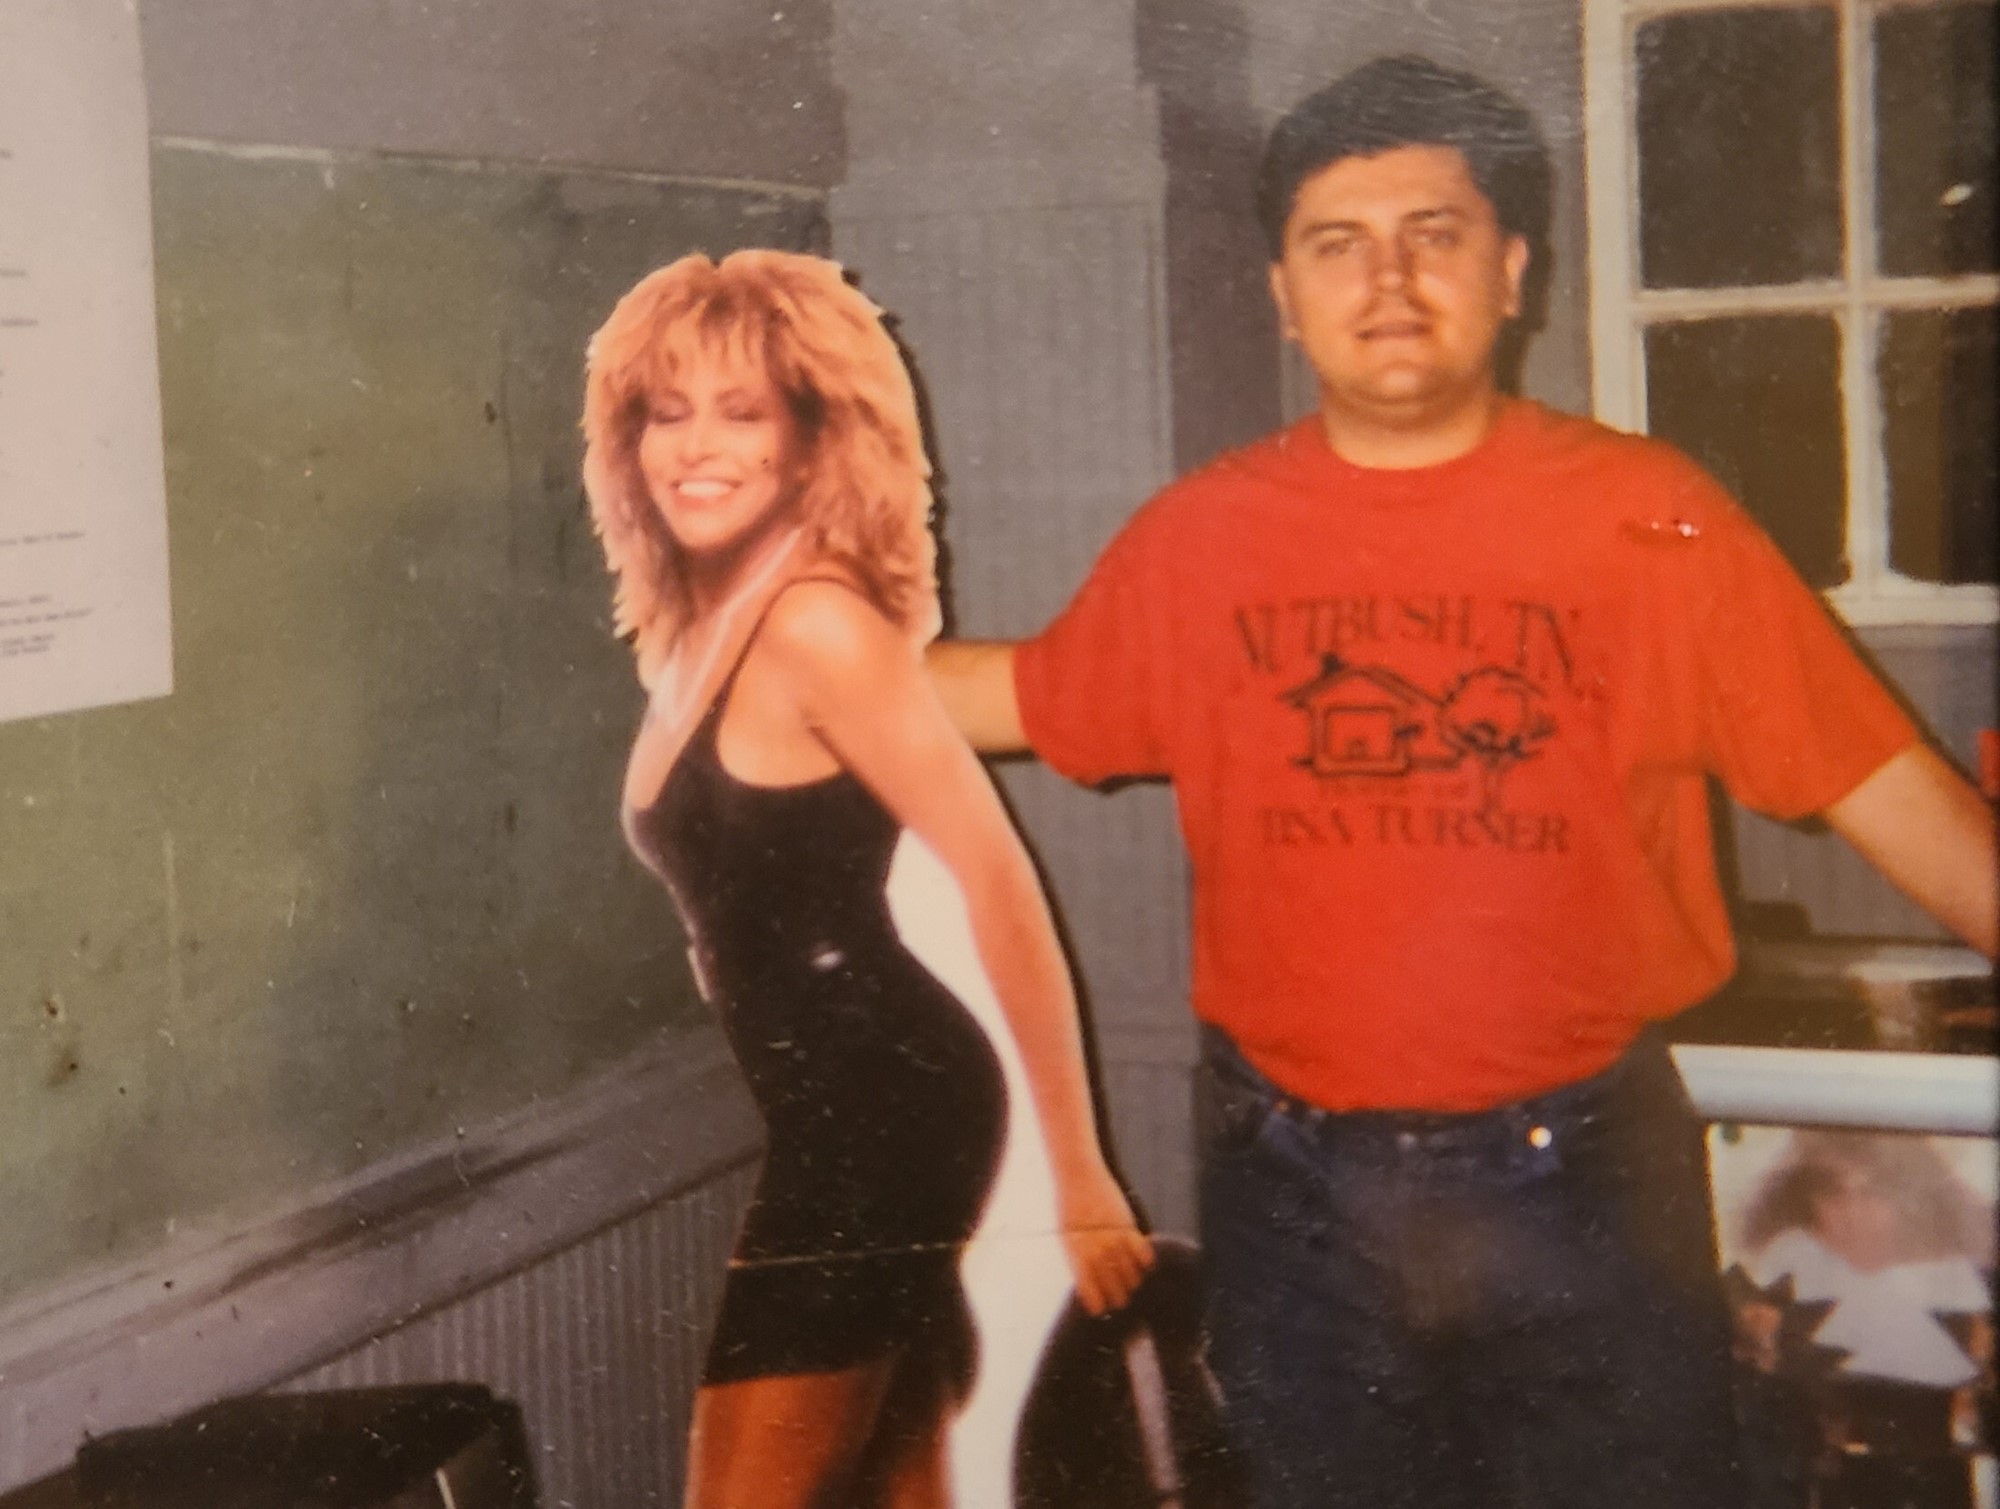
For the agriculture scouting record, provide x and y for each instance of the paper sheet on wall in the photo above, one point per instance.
(83, 536)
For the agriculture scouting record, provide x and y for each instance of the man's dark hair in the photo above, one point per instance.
(1409, 101)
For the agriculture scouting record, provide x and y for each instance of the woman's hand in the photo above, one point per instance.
(1108, 1254)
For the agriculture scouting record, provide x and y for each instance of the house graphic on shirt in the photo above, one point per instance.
(1367, 720)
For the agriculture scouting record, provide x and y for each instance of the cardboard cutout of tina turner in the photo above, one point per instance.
(757, 475)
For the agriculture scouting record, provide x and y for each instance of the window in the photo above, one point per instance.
(1794, 275)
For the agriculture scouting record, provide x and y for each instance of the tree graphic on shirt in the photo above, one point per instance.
(1496, 717)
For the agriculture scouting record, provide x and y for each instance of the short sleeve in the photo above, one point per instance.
(1094, 685)
(1793, 718)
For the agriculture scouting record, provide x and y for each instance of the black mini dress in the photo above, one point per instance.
(881, 1097)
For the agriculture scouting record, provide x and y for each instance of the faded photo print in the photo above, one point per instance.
(1095, 753)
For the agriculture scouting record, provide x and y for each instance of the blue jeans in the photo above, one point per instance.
(1514, 1309)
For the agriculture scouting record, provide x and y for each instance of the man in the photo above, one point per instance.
(1438, 676)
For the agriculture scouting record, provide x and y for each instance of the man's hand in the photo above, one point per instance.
(975, 681)
(1922, 825)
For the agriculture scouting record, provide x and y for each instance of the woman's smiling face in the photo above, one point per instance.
(720, 455)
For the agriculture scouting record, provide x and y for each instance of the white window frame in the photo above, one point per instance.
(1621, 308)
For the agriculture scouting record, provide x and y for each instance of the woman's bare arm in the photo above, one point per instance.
(1922, 825)
(863, 692)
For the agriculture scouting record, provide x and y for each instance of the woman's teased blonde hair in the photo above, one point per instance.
(866, 499)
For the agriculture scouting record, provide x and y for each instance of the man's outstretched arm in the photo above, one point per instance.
(1922, 825)
(975, 681)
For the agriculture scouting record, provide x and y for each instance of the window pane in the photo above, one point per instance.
(1937, 392)
(1934, 158)
(1757, 401)
(1739, 148)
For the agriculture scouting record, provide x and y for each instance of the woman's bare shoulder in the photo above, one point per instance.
(823, 625)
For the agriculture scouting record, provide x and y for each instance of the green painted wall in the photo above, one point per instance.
(358, 881)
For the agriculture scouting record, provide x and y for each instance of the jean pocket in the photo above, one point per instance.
(1230, 1113)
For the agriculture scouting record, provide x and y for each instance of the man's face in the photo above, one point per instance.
(1396, 279)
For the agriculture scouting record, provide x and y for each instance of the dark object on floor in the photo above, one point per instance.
(1124, 1413)
(444, 1446)
(57, 1492)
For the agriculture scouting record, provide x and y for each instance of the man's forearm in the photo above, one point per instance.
(975, 681)
(1923, 826)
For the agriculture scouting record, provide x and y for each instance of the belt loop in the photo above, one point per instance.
(1307, 1115)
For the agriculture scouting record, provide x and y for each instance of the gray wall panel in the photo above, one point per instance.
(1149, 1091)
(1011, 217)
(1947, 676)
(697, 87)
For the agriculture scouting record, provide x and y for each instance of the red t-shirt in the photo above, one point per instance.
(1439, 738)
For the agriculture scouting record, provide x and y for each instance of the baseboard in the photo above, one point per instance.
(221, 1315)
